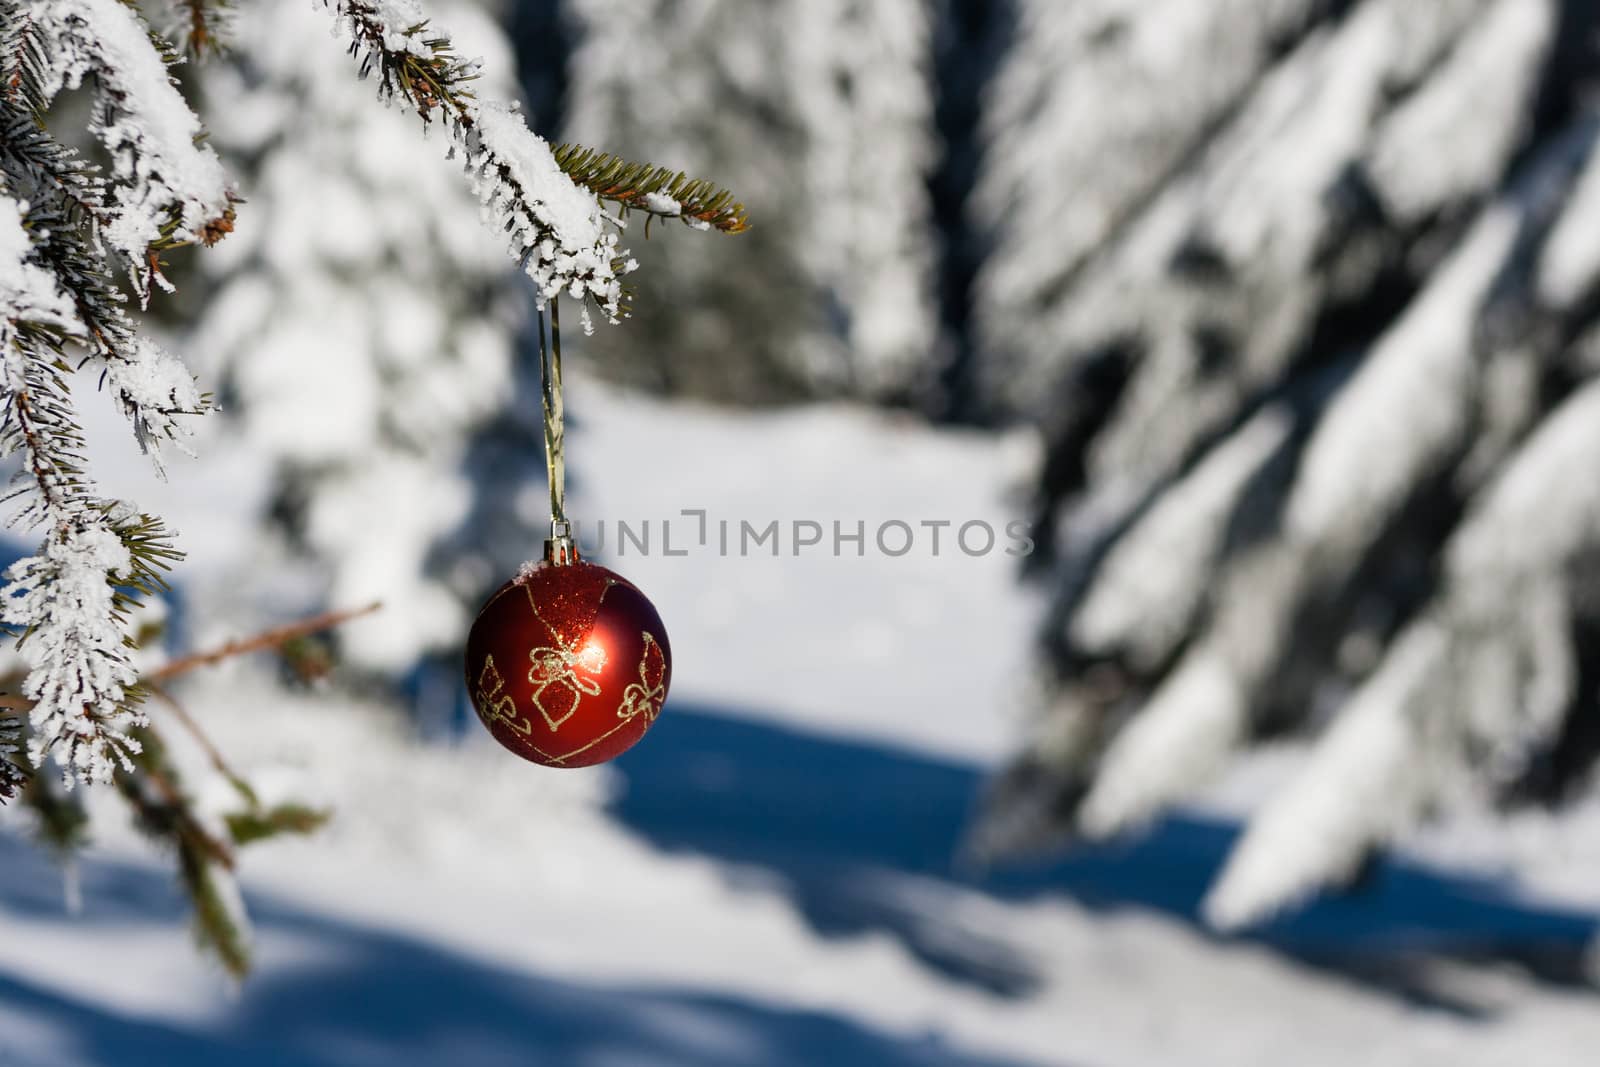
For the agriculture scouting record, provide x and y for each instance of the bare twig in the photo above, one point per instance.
(11, 704)
(274, 638)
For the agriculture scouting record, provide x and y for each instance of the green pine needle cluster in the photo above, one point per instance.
(657, 191)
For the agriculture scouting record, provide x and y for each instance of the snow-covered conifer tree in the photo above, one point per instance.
(1310, 338)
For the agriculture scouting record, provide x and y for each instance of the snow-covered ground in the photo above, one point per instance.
(771, 877)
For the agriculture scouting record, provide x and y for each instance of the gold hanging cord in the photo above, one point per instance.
(561, 547)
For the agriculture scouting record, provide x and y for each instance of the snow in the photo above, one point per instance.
(380, 522)
(867, 117)
(160, 167)
(79, 668)
(661, 204)
(1542, 481)
(156, 390)
(1148, 589)
(401, 18)
(633, 460)
(1570, 262)
(28, 292)
(556, 228)
(1362, 786)
(766, 880)
(1419, 159)
(1408, 406)
(1078, 150)
(571, 214)
(1181, 736)
(435, 876)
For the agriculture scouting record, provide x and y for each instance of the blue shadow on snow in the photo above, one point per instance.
(846, 826)
(371, 997)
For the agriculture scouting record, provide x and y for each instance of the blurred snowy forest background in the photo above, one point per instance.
(1277, 319)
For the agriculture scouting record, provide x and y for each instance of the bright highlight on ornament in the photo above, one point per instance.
(593, 656)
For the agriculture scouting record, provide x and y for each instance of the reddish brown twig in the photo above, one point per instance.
(274, 638)
(11, 704)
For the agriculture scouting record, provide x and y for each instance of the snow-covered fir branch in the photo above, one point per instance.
(557, 230)
(81, 674)
(62, 224)
(30, 296)
(64, 598)
(149, 384)
(166, 187)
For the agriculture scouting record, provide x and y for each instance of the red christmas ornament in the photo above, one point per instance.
(568, 663)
